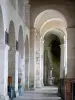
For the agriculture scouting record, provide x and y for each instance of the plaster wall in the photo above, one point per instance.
(9, 13)
(71, 52)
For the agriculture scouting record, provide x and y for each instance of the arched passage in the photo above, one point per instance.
(11, 55)
(53, 57)
(26, 61)
(46, 22)
(21, 67)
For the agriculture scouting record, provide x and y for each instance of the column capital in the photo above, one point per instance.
(27, 5)
(62, 45)
(32, 29)
(12, 50)
(26, 1)
(17, 53)
(42, 40)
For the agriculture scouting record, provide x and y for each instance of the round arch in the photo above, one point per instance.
(53, 36)
(1, 27)
(51, 46)
(47, 16)
(52, 20)
(58, 32)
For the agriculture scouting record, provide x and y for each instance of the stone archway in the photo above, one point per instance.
(26, 62)
(11, 56)
(45, 22)
(21, 66)
(53, 57)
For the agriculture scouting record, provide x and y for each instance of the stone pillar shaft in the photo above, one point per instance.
(16, 72)
(32, 59)
(41, 61)
(38, 69)
(21, 70)
(3, 71)
(62, 61)
(26, 72)
(13, 67)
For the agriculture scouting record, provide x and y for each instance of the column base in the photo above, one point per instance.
(38, 84)
(17, 93)
(61, 88)
(4, 97)
(32, 87)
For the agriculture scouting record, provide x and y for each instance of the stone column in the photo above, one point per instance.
(19, 67)
(26, 72)
(41, 61)
(3, 71)
(32, 59)
(29, 62)
(13, 67)
(65, 57)
(21, 71)
(16, 72)
(45, 67)
(11, 64)
(62, 61)
(38, 69)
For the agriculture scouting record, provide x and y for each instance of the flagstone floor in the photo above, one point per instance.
(46, 93)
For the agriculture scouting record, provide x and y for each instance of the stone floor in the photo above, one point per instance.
(46, 93)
